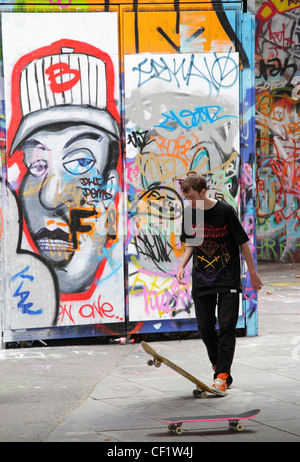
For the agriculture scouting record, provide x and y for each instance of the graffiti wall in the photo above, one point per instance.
(181, 128)
(63, 149)
(103, 114)
(277, 126)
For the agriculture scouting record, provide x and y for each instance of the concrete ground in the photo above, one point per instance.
(106, 393)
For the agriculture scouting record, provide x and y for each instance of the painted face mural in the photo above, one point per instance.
(65, 130)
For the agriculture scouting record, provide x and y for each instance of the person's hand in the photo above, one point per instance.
(256, 282)
(180, 276)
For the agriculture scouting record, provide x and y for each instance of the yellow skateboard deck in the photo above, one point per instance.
(201, 389)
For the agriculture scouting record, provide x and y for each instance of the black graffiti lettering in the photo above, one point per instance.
(138, 139)
(91, 181)
(273, 67)
(76, 225)
(101, 194)
(153, 247)
(293, 2)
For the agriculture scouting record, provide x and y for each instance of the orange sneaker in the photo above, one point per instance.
(228, 386)
(220, 382)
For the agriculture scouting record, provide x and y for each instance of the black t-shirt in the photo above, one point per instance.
(216, 261)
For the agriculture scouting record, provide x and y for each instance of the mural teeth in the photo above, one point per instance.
(55, 245)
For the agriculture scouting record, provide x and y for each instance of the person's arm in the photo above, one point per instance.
(254, 278)
(185, 259)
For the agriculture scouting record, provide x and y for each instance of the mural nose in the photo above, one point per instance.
(53, 194)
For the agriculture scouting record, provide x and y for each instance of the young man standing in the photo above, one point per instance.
(216, 278)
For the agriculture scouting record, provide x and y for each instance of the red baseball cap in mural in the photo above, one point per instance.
(66, 82)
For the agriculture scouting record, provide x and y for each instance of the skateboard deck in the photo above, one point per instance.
(175, 423)
(201, 389)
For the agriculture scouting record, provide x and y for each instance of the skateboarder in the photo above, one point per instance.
(216, 278)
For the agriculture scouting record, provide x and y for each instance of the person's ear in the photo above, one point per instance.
(202, 194)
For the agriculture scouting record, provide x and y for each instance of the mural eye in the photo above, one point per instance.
(38, 168)
(79, 162)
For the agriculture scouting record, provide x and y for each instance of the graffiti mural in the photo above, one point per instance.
(277, 125)
(95, 139)
(63, 145)
(173, 127)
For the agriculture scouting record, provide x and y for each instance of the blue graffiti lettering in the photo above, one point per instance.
(221, 73)
(24, 307)
(201, 114)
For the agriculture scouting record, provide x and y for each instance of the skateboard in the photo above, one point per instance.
(175, 423)
(201, 389)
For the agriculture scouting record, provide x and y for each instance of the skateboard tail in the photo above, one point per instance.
(201, 387)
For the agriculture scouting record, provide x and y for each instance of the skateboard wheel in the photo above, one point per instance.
(150, 362)
(157, 364)
(178, 431)
(172, 427)
(200, 394)
(239, 427)
(232, 424)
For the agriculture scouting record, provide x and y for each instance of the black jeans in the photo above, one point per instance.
(220, 346)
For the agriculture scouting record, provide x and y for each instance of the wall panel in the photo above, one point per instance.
(277, 130)
(173, 71)
(62, 101)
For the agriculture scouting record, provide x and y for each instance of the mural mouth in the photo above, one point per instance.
(56, 242)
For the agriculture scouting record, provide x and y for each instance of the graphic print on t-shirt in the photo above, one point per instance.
(216, 261)
(211, 257)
